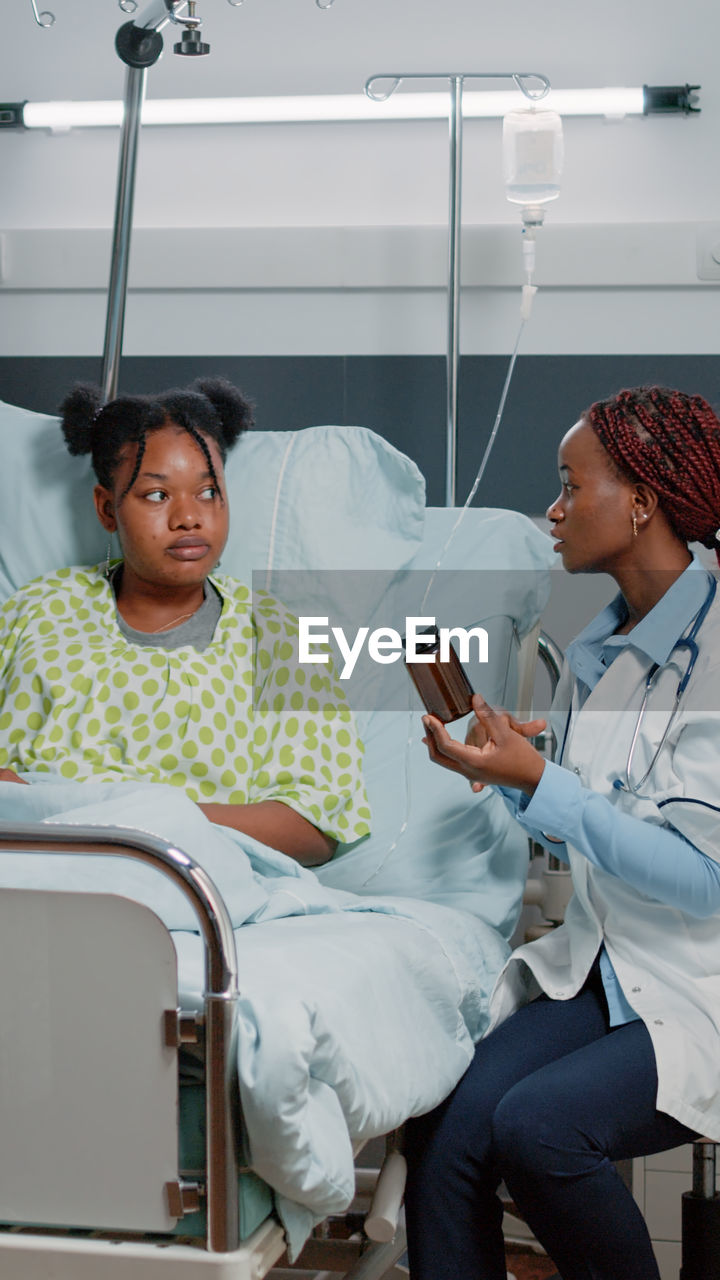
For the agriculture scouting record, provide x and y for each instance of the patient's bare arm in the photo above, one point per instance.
(277, 825)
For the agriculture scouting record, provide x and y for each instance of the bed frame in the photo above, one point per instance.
(71, 1108)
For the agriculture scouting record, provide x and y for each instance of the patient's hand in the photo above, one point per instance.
(497, 751)
(9, 775)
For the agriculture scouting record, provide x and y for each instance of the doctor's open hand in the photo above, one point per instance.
(496, 750)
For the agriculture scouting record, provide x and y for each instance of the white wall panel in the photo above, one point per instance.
(617, 255)
(360, 291)
(563, 322)
(634, 255)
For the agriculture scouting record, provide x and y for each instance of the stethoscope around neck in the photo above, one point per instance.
(689, 643)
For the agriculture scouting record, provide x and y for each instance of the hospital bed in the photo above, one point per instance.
(107, 1167)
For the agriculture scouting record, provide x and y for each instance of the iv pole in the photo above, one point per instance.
(456, 80)
(139, 45)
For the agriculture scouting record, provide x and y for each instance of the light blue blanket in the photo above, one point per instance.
(355, 1013)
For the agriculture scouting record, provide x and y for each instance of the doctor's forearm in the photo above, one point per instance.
(514, 802)
(658, 863)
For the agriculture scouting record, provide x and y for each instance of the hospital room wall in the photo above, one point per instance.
(346, 322)
(308, 261)
(403, 398)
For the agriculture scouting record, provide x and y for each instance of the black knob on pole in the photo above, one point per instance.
(190, 44)
(138, 46)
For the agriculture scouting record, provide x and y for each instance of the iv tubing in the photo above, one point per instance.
(535, 92)
(485, 458)
(433, 575)
(453, 318)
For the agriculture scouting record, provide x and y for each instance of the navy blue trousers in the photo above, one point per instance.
(551, 1099)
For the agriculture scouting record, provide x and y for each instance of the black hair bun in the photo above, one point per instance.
(77, 413)
(234, 411)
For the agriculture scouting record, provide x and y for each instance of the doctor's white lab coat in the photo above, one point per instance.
(667, 962)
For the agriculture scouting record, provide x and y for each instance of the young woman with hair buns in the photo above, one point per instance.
(159, 669)
(604, 1041)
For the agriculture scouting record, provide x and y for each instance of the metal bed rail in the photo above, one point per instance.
(219, 998)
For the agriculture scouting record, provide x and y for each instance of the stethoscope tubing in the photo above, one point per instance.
(688, 642)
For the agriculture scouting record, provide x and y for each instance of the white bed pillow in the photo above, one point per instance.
(318, 498)
(48, 516)
(323, 498)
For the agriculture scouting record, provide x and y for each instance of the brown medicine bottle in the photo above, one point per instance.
(444, 687)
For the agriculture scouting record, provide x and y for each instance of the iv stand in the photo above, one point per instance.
(139, 45)
(456, 80)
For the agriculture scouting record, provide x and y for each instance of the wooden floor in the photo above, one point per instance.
(525, 1265)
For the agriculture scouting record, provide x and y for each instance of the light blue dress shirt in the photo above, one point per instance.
(658, 862)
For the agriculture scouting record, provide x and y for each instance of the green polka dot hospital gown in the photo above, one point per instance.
(237, 722)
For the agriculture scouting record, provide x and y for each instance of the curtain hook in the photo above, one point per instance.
(44, 19)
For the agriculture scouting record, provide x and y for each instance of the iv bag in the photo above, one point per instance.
(532, 156)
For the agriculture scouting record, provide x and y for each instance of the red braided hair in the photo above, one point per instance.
(671, 441)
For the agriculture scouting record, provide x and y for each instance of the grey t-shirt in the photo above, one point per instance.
(196, 633)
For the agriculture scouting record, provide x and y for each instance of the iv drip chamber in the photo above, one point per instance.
(532, 156)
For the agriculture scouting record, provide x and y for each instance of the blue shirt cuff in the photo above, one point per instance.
(555, 806)
(518, 803)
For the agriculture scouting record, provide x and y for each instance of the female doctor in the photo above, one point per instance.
(604, 1038)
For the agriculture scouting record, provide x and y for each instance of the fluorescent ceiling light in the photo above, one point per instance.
(332, 107)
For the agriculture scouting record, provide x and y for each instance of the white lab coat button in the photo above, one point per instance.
(577, 770)
(659, 1022)
(637, 989)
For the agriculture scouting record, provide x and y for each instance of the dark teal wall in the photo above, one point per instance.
(403, 398)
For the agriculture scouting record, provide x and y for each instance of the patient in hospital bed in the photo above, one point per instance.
(155, 668)
(365, 981)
